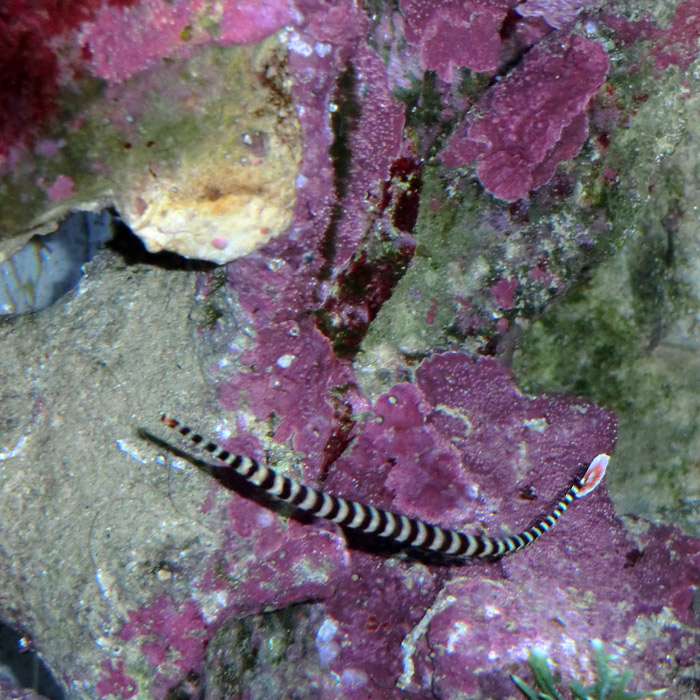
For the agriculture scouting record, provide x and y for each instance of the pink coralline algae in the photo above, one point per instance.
(631, 588)
(331, 220)
(170, 637)
(672, 45)
(443, 449)
(148, 32)
(61, 188)
(248, 21)
(152, 30)
(29, 64)
(49, 44)
(300, 365)
(115, 682)
(503, 292)
(680, 45)
(380, 475)
(455, 34)
(535, 119)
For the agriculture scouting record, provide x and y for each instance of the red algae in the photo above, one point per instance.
(30, 69)
(680, 45)
(171, 638)
(503, 292)
(114, 681)
(536, 118)
(455, 34)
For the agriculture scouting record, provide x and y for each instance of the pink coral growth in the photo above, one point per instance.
(275, 563)
(115, 681)
(30, 64)
(503, 292)
(400, 454)
(294, 370)
(248, 21)
(152, 30)
(676, 44)
(453, 34)
(171, 637)
(61, 188)
(680, 45)
(536, 118)
(147, 32)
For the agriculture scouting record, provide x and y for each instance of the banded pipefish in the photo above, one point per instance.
(402, 530)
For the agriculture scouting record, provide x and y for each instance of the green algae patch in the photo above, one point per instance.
(447, 266)
(480, 268)
(627, 337)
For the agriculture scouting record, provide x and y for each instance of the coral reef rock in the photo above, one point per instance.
(236, 190)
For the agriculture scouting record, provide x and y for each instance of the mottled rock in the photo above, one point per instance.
(200, 154)
(234, 188)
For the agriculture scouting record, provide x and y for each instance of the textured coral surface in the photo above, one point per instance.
(522, 128)
(462, 165)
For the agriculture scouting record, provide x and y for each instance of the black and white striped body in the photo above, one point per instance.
(405, 531)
